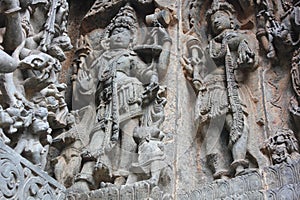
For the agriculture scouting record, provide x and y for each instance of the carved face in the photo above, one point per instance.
(40, 123)
(280, 154)
(120, 38)
(70, 119)
(220, 21)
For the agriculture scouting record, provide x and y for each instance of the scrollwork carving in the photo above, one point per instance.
(22, 180)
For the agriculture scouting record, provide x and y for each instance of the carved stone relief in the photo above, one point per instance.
(219, 77)
(139, 99)
(119, 81)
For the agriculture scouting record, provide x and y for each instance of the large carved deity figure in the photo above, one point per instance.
(125, 95)
(217, 75)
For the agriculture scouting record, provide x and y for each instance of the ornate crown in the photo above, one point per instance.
(125, 18)
(220, 5)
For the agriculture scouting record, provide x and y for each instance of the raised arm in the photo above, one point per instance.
(164, 57)
(13, 35)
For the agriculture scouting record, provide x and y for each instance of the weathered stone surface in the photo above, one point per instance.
(149, 99)
(20, 179)
(255, 185)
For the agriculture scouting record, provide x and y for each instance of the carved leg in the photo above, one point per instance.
(43, 156)
(156, 168)
(253, 148)
(59, 169)
(3, 137)
(213, 145)
(132, 178)
(239, 148)
(7, 63)
(84, 181)
(73, 167)
(38, 152)
(36, 158)
(21, 145)
(128, 147)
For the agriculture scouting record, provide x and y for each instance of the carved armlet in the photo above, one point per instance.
(12, 10)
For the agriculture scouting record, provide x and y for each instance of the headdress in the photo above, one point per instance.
(220, 5)
(125, 18)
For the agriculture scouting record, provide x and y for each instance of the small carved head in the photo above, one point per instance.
(122, 28)
(282, 146)
(220, 16)
(120, 37)
(39, 122)
(71, 119)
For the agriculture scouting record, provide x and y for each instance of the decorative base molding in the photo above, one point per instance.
(139, 190)
(274, 182)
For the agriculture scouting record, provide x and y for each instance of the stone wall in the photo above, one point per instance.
(149, 99)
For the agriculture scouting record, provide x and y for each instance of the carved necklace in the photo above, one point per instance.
(232, 87)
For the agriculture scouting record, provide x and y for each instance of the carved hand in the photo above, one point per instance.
(85, 80)
(163, 34)
(195, 61)
(198, 85)
(186, 63)
(37, 61)
(246, 55)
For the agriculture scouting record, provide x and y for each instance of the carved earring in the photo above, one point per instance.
(130, 46)
(232, 24)
(105, 44)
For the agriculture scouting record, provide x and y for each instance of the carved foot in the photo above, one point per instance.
(221, 174)
(120, 181)
(239, 170)
(106, 185)
(245, 171)
(153, 182)
(239, 166)
(3, 137)
(79, 187)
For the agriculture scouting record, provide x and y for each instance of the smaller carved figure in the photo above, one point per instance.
(56, 105)
(29, 143)
(13, 119)
(20, 116)
(217, 74)
(295, 100)
(72, 141)
(151, 155)
(5, 122)
(282, 147)
(58, 46)
(277, 34)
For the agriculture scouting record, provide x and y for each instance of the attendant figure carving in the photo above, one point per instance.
(217, 75)
(282, 147)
